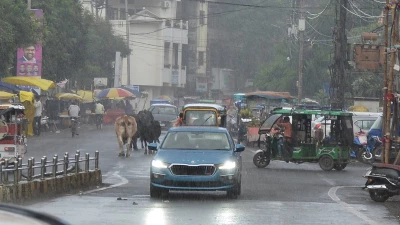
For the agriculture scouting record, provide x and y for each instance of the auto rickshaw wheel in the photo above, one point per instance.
(339, 166)
(326, 163)
(260, 160)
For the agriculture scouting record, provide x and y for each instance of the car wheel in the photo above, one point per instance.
(326, 163)
(235, 191)
(156, 192)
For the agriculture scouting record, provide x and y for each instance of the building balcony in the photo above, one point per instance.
(175, 31)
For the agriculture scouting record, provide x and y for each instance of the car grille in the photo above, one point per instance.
(185, 170)
(193, 184)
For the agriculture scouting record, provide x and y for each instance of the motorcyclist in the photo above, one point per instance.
(242, 131)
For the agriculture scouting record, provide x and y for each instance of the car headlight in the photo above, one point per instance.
(158, 164)
(228, 165)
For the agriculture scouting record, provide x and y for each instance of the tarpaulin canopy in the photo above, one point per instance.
(270, 95)
(31, 81)
(69, 96)
(5, 95)
(87, 96)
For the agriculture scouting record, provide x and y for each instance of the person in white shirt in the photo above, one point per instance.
(99, 110)
(38, 116)
(74, 112)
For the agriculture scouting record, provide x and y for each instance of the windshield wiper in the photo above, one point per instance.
(206, 120)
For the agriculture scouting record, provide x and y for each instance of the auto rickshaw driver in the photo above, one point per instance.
(287, 134)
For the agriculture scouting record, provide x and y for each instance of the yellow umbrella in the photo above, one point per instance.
(31, 81)
(69, 96)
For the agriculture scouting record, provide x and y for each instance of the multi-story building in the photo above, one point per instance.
(158, 40)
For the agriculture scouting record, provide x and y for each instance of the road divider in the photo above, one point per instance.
(26, 184)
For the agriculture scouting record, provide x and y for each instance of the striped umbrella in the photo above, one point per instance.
(114, 93)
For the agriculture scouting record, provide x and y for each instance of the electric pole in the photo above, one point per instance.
(385, 74)
(389, 97)
(301, 40)
(338, 69)
(128, 65)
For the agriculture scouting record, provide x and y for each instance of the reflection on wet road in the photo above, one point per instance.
(279, 194)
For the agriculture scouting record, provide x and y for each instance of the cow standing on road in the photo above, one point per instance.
(125, 128)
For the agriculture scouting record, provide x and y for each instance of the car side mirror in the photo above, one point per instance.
(239, 148)
(152, 146)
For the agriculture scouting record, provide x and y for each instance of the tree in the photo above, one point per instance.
(16, 29)
(76, 46)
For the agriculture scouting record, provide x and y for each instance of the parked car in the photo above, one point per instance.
(166, 114)
(196, 159)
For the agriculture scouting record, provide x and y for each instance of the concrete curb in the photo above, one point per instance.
(28, 190)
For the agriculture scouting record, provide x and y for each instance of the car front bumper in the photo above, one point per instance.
(219, 181)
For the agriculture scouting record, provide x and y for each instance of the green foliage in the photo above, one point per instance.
(254, 123)
(16, 29)
(76, 45)
(246, 113)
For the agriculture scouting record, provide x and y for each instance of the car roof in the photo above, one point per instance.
(198, 128)
(163, 104)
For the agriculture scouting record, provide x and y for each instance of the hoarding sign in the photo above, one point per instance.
(29, 57)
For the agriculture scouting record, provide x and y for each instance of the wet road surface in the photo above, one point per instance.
(282, 193)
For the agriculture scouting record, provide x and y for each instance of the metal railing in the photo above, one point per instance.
(19, 167)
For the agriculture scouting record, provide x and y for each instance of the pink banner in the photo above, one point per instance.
(29, 57)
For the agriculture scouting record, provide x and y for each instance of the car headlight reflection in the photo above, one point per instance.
(158, 164)
(228, 165)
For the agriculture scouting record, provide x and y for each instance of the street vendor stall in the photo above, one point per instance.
(117, 94)
(27, 97)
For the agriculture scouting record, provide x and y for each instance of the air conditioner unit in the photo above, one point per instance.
(166, 4)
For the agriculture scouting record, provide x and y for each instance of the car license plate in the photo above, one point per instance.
(162, 124)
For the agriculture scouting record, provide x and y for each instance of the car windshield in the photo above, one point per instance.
(163, 110)
(194, 140)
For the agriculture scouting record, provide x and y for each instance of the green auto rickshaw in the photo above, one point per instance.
(306, 144)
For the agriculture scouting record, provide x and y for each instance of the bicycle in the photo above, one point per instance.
(74, 126)
(99, 121)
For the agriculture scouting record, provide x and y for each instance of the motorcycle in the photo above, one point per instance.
(360, 141)
(383, 181)
(232, 125)
(74, 126)
(367, 148)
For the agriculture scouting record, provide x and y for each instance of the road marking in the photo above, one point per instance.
(334, 197)
(116, 174)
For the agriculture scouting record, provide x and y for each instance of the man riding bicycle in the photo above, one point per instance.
(74, 112)
(99, 111)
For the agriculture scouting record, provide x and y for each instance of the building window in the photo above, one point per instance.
(202, 17)
(122, 14)
(167, 63)
(112, 13)
(131, 12)
(184, 55)
(175, 55)
(201, 58)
